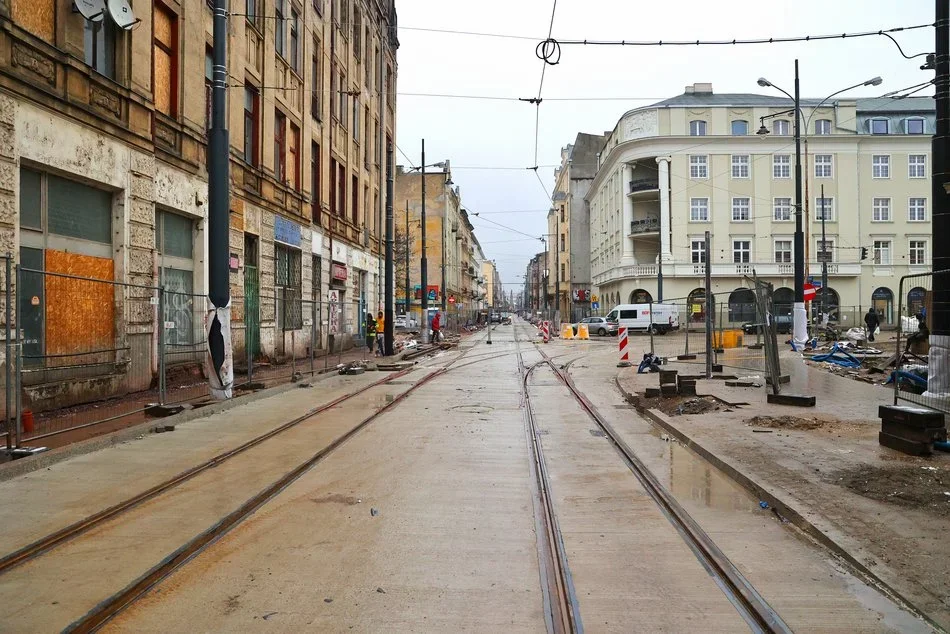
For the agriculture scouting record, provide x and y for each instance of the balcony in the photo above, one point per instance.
(763, 269)
(643, 187)
(647, 225)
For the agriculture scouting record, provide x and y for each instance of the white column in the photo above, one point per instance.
(665, 213)
(627, 255)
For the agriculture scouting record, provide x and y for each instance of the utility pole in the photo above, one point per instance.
(445, 212)
(424, 264)
(408, 296)
(824, 253)
(707, 250)
(800, 326)
(219, 362)
(938, 380)
(390, 280)
(557, 277)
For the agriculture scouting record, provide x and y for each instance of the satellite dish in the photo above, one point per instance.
(92, 10)
(121, 13)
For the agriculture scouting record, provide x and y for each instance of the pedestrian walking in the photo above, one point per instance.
(922, 334)
(380, 334)
(436, 325)
(872, 322)
(369, 327)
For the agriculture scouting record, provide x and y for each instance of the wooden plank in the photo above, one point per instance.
(80, 313)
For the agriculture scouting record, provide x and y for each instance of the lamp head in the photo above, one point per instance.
(765, 83)
(440, 165)
(762, 130)
(876, 81)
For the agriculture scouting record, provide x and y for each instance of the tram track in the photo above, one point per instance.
(105, 610)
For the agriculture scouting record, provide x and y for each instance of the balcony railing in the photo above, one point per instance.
(647, 225)
(643, 184)
(725, 269)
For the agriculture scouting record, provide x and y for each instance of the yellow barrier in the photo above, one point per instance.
(567, 331)
(727, 339)
(582, 331)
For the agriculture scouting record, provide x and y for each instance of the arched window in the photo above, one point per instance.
(740, 127)
(882, 299)
(742, 305)
(782, 301)
(831, 301)
(640, 296)
(823, 126)
(780, 127)
(915, 300)
(696, 305)
(697, 127)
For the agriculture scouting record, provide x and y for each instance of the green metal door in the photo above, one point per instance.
(252, 297)
(32, 304)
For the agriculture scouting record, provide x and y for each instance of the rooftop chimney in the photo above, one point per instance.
(699, 89)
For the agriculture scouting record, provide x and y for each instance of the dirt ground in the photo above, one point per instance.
(925, 488)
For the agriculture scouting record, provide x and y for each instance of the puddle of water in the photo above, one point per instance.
(692, 478)
(890, 613)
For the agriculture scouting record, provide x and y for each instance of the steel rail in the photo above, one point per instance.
(756, 611)
(561, 608)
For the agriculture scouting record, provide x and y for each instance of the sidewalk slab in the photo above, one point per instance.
(823, 469)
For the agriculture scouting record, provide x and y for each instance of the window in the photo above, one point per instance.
(379, 146)
(823, 126)
(825, 209)
(741, 251)
(334, 113)
(294, 40)
(699, 210)
(917, 166)
(917, 252)
(251, 119)
(357, 33)
(356, 200)
(878, 126)
(316, 82)
(390, 88)
(740, 166)
(825, 250)
(699, 166)
(697, 128)
(740, 128)
(881, 166)
(341, 94)
(782, 166)
(69, 209)
(824, 164)
(341, 190)
(174, 241)
(209, 80)
(318, 6)
(780, 127)
(782, 209)
(279, 35)
(563, 272)
(99, 46)
(562, 213)
(333, 194)
(917, 209)
(881, 210)
(783, 251)
(882, 252)
(165, 59)
(280, 146)
(740, 210)
(915, 126)
(294, 148)
(356, 119)
(251, 8)
(369, 140)
(316, 182)
(562, 243)
(287, 278)
(697, 250)
(369, 59)
(344, 13)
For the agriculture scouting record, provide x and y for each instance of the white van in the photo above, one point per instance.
(665, 317)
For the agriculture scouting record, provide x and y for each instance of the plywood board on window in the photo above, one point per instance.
(80, 313)
(36, 16)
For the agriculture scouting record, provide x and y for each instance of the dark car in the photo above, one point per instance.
(783, 325)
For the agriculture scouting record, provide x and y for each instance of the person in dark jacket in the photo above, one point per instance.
(370, 327)
(922, 334)
(872, 322)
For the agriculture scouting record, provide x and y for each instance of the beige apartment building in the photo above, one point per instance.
(103, 121)
(695, 163)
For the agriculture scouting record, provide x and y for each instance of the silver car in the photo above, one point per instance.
(597, 326)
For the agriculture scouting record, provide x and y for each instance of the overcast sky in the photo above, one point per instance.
(501, 134)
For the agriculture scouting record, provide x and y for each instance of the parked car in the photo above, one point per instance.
(402, 321)
(663, 319)
(783, 325)
(496, 318)
(597, 326)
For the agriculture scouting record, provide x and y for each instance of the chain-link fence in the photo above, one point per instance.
(911, 362)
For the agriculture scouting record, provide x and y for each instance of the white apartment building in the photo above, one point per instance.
(671, 171)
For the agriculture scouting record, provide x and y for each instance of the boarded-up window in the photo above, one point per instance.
(80, 313)
(165, 60)
(36, 16)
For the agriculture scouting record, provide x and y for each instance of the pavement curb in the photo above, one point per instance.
(778, 505)
(46, 459)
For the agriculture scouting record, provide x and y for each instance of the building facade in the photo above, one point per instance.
(103, 143)
(659, 187)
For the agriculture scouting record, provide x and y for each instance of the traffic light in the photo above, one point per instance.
(864, 253)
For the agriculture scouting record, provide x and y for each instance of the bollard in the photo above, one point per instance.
(567, 331)
(583, 332)
(546, 331)
(624, 351)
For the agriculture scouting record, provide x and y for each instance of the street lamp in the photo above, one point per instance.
(800, 325)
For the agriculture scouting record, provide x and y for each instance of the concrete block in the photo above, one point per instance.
(686, 357)
(913, 416)
(688, 390)
(717, 367)
(652, 392)
(668, 376)
(915, 434)
(798, 400)
(668, 389)
(908, 447)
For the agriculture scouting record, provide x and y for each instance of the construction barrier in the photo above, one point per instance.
(727, 339)
(624, 349)
(582, 331)
(546, 331)
(567, 331)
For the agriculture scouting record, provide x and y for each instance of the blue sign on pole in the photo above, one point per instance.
(594, 305)
(286, 231)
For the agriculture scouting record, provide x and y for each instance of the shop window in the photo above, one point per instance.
(288, 288)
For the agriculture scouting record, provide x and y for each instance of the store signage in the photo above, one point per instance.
(338, 272)
(286, 232)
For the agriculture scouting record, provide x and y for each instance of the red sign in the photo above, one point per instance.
(809, 292)
(451, 299)
(338, 271)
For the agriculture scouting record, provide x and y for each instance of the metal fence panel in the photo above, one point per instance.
(911, 359)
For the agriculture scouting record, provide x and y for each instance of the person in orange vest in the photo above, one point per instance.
(380, 334)
(436, 325)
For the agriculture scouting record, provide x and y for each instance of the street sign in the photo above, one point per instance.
(451, 299)
(594, 305)
(809, 292)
